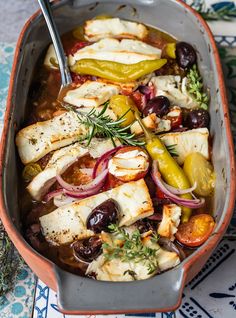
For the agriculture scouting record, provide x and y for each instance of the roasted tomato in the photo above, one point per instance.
(196, 231)
(80, 79)
(129, 164)
(77, 47)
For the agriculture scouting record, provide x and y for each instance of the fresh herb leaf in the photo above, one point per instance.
(33, 141)
(132, 248)
(102, 125)
(195, 87)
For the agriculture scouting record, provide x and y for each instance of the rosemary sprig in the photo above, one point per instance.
(9, 262)
(132, 248)
(195, 87)
(100, 124)
(172, 150)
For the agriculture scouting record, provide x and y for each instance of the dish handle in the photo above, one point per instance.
(81, 295)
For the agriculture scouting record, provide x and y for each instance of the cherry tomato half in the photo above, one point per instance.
(196, 231)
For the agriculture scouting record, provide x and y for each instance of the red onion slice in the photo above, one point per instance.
(63, 199)
(103, 160)
(193, 204)
(52, 194)
(89, 186)
(145, 90)
(179, 191)
(84, 194)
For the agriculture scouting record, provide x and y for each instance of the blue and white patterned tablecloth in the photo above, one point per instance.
(212, 294)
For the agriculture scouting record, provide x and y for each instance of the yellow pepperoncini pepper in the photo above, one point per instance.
(117, 72)
(170, 49)
(30, 171)
(122, 106)
(171, 172)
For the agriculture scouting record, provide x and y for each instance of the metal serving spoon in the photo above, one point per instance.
(61, 57)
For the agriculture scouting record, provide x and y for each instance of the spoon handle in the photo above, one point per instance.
(62, 60)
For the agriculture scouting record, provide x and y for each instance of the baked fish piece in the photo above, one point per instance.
(68, 223)
(186, 142)
(37, 140)
(61, 160)
(126, 51)
(41, 183)
(117, 270)
(174, 89)
(171, 214)
(97, 29)
(91, 94)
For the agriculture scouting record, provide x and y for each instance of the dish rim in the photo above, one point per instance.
(48, 265)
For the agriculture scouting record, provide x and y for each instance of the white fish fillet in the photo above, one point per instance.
(128, 164)
(126, 51)
(95, 30)
(39, 186)
(51, 54)
(116, 270)
(170, 221)
(68, 222)
(175, 90)
(36, 140)
(152, 122)
(195, 140)
(91, 94)
(61, 160)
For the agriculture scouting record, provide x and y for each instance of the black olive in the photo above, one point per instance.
(88, 249)
(185, 55)
(103, 215)
(159, 105)
(145, 225)
(197, 118)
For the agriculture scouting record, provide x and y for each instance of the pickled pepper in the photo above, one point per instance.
(170, 171)
(117, 72)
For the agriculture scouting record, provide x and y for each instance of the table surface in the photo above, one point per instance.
(212, 293)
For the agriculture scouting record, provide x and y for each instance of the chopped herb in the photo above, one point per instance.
(33, 141)
(102, 125)
(195, 87)
(132, 248)
(155, 238)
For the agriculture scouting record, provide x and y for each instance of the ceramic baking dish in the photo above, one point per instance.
(163, 292)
